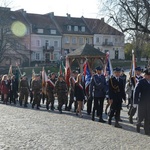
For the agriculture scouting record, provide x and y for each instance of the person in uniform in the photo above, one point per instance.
(62, 92)
(134, 80)
(123, 77)
(36, 86)
(98, 85)
(13, 90)
(24, 90)
(142, 99)
(71, 90)
(50, 85)
(116, 94)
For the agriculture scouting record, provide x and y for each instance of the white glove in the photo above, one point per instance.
(85, 98)
(74, 98)
(134, 105)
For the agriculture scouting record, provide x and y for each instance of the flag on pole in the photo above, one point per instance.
(61, 68)
(133, 64)
(33, 74)
(44, 80)
(67, 71)
(10, 73)
(108, 70)
(87, 76)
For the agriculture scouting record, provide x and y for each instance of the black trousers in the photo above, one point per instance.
(89, 105)
(98, 105)
(115, 109)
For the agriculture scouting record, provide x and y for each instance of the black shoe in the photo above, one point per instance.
(138, 128)
(102, 121)
(25, 106)
(131, 120)
(117, 125)
(32, 105)
(109, 121)
(93, 118)
(120, 120)
(38, 108)
(47, 107)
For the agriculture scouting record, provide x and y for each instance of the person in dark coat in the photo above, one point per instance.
(13, 90)
(116, 94)
(142, 99)
(123, 77)
(79, 94)
(98, 87)
(134, 80)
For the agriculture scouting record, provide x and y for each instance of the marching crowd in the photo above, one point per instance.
(115, 89)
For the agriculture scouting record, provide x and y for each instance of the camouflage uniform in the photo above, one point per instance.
(24, 91)
(50, 94)
(36, 88)
(61, 90)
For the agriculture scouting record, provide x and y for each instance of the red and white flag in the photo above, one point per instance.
(67, 71)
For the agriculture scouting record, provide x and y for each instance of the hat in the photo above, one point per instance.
(23, 75)
(61, 76)
(98, 68)
(138, 69)
(37, 75)
(52, 73)
(117, 69)
(147, 71)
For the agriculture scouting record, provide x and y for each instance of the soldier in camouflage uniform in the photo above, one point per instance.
(62, 92)
(50, 91)
(24, 90)
(36, 86)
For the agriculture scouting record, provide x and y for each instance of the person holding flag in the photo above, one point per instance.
(50, 85)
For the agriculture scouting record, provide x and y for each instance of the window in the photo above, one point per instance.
(66, 40)
(38, 43)
(69, 27)
(81, 40)
(55, 43)
(75, 28)
(53, 31)
(73, 40)
(87, 40)
(37, 56)
(39, 30)
(83, 29)
(97, 39)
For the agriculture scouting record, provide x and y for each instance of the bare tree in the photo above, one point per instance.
(131, 17)
(9, 43)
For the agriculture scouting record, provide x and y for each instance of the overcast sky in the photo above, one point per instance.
(77, 8)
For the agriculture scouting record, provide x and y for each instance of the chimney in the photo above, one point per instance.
(68, 15)
(102, 19)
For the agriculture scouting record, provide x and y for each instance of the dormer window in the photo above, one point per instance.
(83, 29)
(53, 31)
(69, 27)
(39, 30)
(75, 28)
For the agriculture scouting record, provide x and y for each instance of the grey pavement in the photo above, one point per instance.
(31, 129)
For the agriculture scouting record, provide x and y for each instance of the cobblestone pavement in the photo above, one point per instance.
(31, 129)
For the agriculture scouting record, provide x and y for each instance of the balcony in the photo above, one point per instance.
(107, 44)
(48, 49)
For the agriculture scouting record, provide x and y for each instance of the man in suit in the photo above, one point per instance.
(116, 94)
(98, 87)
(142, 98)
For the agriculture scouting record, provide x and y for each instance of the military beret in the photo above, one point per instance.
(147, 71)
(98, 68)
(52, 73)
(138, 69)
(117, 69)
(61, 76)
